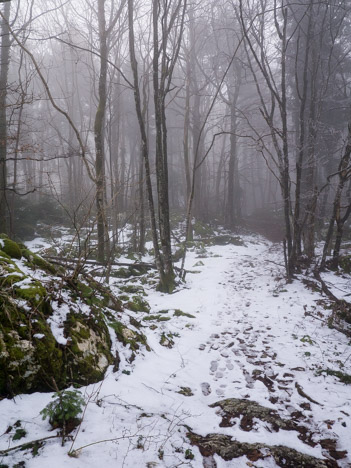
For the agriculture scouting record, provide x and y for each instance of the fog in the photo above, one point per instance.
(228, 112)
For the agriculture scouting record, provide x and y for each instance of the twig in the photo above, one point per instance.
(75, 452)
(304, 395)
(28, 444)
(63, 262)
(275, 263)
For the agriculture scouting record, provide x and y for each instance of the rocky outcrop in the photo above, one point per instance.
(51, 336)
(246, 413)
(228, 449)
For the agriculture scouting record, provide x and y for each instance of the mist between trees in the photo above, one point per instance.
(234, 112)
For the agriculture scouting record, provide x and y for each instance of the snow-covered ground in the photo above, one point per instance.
(252, 337)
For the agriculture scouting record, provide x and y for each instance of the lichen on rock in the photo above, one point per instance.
(228, 449)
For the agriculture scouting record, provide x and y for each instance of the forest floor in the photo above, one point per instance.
(249, 375)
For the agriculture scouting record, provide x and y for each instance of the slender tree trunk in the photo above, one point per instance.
(100, 137)
(167, 281)
(144, 140)
(4, 61)
(186, 129)
(344, 175)
(301, 145)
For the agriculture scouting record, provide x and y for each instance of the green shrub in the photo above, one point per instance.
(65, 408)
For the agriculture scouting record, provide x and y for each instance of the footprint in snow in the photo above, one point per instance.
(206, 388)
(214, 366)
(230, 365)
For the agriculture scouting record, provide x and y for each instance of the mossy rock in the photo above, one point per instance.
(91, 295)
(178, 254)
(202, 230)
(227, 239)
(34, 292)
(21, 286)
(166, 340)
(29, 354)
(34, 260)
(249, 411)
(5, 258)
(121, 273)
(133, 289)
(344, 378)
(129, 272)
(180, 313)
(11, 276)
(129, 337)
(229, 449)
(224, 239)
(10, 247)
(345, 263)
(157, 318)
(31, 359)
(123, 297)
(138, 304)
(185, 391)
(88, 352)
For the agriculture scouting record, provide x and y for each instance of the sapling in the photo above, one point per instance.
(63, 412)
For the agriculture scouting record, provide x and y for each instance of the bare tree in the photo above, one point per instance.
(5, 61)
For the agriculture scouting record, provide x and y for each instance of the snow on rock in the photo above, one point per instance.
(56, 320)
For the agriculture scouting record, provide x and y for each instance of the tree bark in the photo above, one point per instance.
(100, 137)
(5, 61)
(144, 139)
(344, 175)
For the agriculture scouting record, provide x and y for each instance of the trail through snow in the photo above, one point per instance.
(253, 338)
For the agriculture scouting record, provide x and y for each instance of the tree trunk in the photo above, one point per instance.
(167, 278)
(100, 137)
(144, 139)
(4, 61)
(344, 175)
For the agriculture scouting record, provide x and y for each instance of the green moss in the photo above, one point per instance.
(202, 230)
(138, 304)
(33, 292)
(5, 257)
(34, 260)
(49, 356)
(180, 313)
(186, 391)
(345, 263)
(26, 363)
(135, 322)
(90, 296)
(166, 340)
(129, 337)
(30, 357)
(133, 289)
(11, 279)
(88, 353)
(344, 378)
(158, 318)
(10, 247)
(123, 297)
(121, 273)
